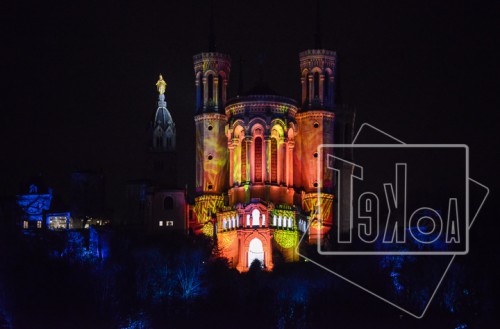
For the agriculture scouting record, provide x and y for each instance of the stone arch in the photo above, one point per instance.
(267, 259)
(208, 72)
(278, 124)
(257, 123)
(255, 251)
(238, 130)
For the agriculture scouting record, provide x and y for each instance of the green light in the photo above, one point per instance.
(286, 239)
(208, 229)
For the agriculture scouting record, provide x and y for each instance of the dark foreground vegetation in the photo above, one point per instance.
(132, 280)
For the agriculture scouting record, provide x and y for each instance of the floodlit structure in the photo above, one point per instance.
(258, 187)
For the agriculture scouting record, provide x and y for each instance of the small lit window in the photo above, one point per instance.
(25, 224)
(161, 223)
(39, 224)
(169, 223)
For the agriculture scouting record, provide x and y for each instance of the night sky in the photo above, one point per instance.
(87, 74)
(79, 88)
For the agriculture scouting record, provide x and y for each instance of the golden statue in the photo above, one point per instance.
(161, 85)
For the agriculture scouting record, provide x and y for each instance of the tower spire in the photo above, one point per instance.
(211, 35)
(317, 35)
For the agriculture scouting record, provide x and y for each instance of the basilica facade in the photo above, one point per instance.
(261, 181)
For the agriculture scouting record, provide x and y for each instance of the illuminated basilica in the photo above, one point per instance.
(258, 187)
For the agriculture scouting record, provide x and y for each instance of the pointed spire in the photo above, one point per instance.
(317, 35)
(211, 35)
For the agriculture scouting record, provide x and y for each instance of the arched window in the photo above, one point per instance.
(255, 217)
(258, 159)
(316, 84)
(219, 92)
(168, 203)
(210, 86)
(274, 160)
(326, 86)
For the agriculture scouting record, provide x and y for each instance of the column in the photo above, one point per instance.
(231, 165)
(291, 145)
(198, 98)
(287, 165)
(248, 140)
(331, 90)
(278, 165)
(321, 83)
(205, 92)
(303, 84)
(224, 92)
(216, 91)
(311, 86)
(267, 157)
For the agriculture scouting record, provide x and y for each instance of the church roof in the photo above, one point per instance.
(163, 118)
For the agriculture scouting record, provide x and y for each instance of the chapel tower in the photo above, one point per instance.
(162, 155)
(315, 122)
(211, 71)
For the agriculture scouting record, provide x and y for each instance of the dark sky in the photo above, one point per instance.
(87, 73)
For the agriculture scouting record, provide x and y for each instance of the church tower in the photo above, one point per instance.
(211, 71)
(315, 122)
(162, 156)
(163, 125)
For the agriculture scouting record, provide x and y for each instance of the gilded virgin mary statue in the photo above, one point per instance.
(161, 85)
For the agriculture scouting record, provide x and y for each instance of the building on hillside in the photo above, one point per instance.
(258, 187)
(157, 203)
(40, 209)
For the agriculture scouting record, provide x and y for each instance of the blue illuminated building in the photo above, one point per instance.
(34, 203)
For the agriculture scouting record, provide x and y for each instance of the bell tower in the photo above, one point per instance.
(162, 146)
(163, 125)
(315, 123)
(211, 71)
